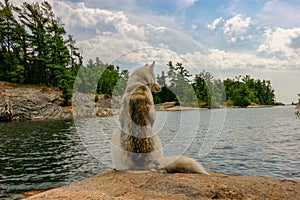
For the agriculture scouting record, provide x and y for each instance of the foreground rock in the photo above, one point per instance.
(153, 185)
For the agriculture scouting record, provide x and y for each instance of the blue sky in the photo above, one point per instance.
(227, 37)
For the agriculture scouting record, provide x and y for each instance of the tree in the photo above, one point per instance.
(161, 80)
(12, 34)
(180, 84)
(165, 95)
(121, 83)
(34, 48)
(201, 90)
(34, 45)
(108, 80)
(88, 76)
(249, 90)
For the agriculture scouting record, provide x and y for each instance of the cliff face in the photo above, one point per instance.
(31, 103)
(25, 103)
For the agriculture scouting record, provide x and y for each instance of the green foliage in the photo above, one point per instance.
(121, 84)
(180, 83)
(96, 97)
(88, 76)
(161, 80)
(108, 80)
(242, 93)
(211, 93)
(17, 76)
(34, 48)
(165, 95)
(100, 78)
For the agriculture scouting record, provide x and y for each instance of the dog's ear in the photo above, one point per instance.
(152, 66)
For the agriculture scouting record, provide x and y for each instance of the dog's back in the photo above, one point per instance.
(139, 139)
(139, 106)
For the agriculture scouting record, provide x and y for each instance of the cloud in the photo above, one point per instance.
(282, 43)
(213, 25)
(279, 13)
(185, 3)
(126, 6)
(113, 35)
(224, 60)
(77, 15)
(236, 27)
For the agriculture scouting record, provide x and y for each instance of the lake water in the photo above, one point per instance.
(46, 154)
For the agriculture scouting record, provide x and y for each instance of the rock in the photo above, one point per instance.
(37, 103)
(279, 104)
(154, 185)
(31, 103)
(168, 104)
(83, 105)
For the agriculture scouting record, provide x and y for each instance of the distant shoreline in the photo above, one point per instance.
(179, 108)
(21, 103)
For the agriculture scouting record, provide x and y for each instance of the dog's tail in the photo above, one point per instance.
(182, 164)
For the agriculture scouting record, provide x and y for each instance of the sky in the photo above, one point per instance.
(260, 38)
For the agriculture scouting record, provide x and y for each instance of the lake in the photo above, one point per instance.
(52, 153)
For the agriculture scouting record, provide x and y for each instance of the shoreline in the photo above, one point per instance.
(25, 103)
(178, 108)
(21, 103)
(154, 185)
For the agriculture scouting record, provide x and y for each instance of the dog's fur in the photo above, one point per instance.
(135, 146)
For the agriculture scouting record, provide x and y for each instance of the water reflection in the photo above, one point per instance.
(41, 154)
(44, 154)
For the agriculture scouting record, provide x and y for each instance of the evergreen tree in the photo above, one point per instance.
(180, 84)
(201, 91)
(108, 80)
(161, 80)
(12, 34)
(34, 48)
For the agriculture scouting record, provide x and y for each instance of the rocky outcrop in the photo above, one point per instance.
(31, 103)
(154, 185)
(38, 103)
(85, 105)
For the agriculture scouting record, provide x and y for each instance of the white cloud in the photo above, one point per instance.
(77, 15)
(127, 5)
(221, 59)
(236, 27)
(283, 44)
(185, 3)
(114, 36)
(214, 24)
(280, 13)
(233, 39)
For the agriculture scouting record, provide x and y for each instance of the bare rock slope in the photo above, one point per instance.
(153, 185)
(36, 103)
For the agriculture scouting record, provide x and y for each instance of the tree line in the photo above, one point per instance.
(35, 49)
(178, 85)
(209, 92)
(100, 78)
